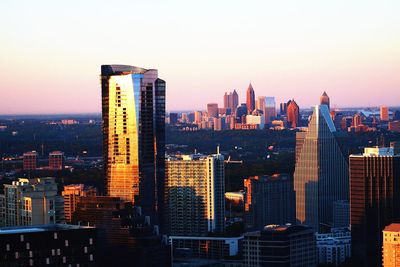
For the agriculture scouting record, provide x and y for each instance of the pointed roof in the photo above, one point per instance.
(325, 94)
(250, 88)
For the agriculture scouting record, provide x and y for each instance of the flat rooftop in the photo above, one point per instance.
(40, 228)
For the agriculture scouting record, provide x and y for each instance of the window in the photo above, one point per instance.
(91, 241)
(66, 243)
(21, 237)
(55, 235)
(47, 261)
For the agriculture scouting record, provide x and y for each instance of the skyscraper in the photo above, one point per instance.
(56, 160)
(293, 114)
(283, 109)
(30, 160)
(324, 100)
(321, 172)
(250, 99)
(269, 200)
(235, 101)
(384, 114)
(270, 109)
(212, 110)
(260, 103)
(195, 187)
(374, 201)
(133, 107)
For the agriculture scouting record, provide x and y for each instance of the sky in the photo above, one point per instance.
(51, 51)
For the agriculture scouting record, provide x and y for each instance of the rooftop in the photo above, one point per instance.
(394, 227)
(40, 228)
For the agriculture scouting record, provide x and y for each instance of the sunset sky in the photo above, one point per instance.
(51, 51)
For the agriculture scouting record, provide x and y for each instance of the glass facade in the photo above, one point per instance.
(133, 107)
(321, 173)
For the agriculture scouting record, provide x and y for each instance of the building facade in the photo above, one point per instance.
(324, 100)
(293, 114)
(334, 248)
(133, 110)
(269, 200)
(32, 201)
(391, 245)
(321, 172)
(194, 195)
(212, 110)
(48, 245)
(71, 193)
(374, 201)
(56, 160)
(30, 160)
(276, 245)
(250, 99)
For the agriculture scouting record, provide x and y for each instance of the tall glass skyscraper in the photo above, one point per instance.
(133, 107)
(321, 174)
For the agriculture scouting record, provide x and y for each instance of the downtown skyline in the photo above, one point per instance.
(51, 53)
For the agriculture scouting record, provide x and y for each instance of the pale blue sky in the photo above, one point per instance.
(51, 51)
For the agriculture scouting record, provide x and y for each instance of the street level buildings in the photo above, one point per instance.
(391, 245)
(71, 193)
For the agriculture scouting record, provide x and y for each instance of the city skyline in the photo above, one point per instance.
(52, 52)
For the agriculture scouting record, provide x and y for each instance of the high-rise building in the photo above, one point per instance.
(32, 201)
(240, 112)
(30, 160)
(250, 99)
(260, 103)
(124, 235)
(71, 193)
(235, 101)
(218, 124)
(284, 245)
(384, 114)
(321, 172)
(341, 214)
(324, 100)
(270, 109)
(396, 115)
(56, 160)
(133, 109)
(194, 195)
(269, 200)
(173, 118)
(212, 110)
(57, 245)
(198, 116)
(374, 201)
(357, 120)
(391, 245)
(283, 109)
(2, 210)
(293, 114)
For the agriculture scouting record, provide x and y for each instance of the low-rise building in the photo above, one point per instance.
(334, 247)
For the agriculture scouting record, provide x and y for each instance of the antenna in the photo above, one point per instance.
(218, 149)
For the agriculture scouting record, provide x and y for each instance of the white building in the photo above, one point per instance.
(256, 120)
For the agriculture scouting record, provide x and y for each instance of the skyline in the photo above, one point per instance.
(52, 52)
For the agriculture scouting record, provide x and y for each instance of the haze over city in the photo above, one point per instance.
(51, 51)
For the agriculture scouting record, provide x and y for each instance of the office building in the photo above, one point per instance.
(260, 103)
(56, 160)
(71, 193)
(293, 114)
(125, 235)
(384, 114)
(341, 214)
(194, 195)
(217, 248)
(48, 245)
(334, 248)
(324, 100)
(256, 120)
(241, 111)
(32, 201)
(30, 160)
(133, 110)
(269, 200)
(212, 110)
(198, 115)
(357, 120)
(231, 101)
(374, 200)
(391, 245)
(218, 125)
(321, 172)
(283, 109)
(2, 210)
(270, 109)
(250, 99)
(285, 245)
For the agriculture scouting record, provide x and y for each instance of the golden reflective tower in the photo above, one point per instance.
(133, 108)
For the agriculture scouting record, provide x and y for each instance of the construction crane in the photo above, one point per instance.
(229, 161)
